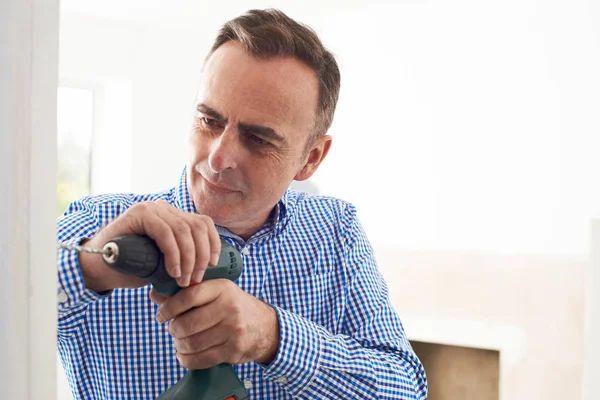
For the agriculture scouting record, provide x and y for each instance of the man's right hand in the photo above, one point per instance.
(188, 241)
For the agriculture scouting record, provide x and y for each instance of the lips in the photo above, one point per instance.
(216, 186)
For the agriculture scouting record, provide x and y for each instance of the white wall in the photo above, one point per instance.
(473, 124)
(529, 308)
(591, 390)
(485, 114)
(28, 82)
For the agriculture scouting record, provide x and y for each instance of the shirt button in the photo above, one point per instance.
(248, 384)
(246, 251)
(62, 297)
(282, 379)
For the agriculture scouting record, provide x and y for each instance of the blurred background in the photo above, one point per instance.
(467, 134)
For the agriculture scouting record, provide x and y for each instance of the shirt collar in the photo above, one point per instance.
(184, 202)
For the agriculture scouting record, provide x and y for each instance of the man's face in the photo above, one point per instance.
(251, 124)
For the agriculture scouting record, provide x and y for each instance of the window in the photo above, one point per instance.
(75, 126)
(92, 116)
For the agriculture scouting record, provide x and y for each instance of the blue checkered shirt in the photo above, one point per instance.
(340, 337)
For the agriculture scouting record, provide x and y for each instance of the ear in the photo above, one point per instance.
(315, 156)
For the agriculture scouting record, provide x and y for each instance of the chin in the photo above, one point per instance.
(221, 214)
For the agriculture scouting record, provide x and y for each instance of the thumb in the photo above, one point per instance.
(157, 298)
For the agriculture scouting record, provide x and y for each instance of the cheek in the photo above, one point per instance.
(196, 147)
(268, 179)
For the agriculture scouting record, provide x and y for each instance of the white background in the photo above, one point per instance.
(461, 125)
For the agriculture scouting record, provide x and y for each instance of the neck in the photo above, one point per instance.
(245, 233)
(245, 229)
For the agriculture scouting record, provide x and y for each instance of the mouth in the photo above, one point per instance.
(215, 187)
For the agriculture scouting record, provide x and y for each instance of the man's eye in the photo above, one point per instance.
(209, 121)
(256, 139)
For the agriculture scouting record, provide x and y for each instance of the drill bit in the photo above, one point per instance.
(110, 252)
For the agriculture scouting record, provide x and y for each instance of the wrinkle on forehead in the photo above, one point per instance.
(281, 93)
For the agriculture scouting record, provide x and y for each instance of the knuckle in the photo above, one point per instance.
(237, 330)
(235, 309)
(187, 327)
(198, 225)
(179, 346)
(185, 361)
(180, 328)
(235, 326)
(179, 226)
(140, 208)
(174, 329)
(186, 344)
(207, 219)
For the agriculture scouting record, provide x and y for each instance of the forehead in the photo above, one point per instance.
(281, 92)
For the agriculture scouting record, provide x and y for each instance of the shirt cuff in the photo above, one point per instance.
(71, 287)
(298, 357)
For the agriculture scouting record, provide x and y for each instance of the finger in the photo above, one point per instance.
(193, 296)
(204, 359)
(156, 297)
(158, 229)
(194, 321)
(214, 241)
(203, 250)
(183, 235)
(201, 341)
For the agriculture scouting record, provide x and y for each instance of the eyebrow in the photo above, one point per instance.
(261, 130)
(204, 109)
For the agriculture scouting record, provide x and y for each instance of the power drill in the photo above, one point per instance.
(141, 257)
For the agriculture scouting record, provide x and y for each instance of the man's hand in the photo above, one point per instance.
(188, 241)
(216, 322)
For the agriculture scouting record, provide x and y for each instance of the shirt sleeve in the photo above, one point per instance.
(370, 359)
(81, 221)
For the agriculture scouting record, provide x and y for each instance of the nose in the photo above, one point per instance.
(225, 152)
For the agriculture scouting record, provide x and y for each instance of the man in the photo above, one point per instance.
(310, 317)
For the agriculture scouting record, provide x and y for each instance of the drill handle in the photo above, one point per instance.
(217, 383)
(141, 257)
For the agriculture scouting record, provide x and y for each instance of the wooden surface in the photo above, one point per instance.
(459, 373)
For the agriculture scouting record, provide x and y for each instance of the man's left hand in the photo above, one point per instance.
(215, 322)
